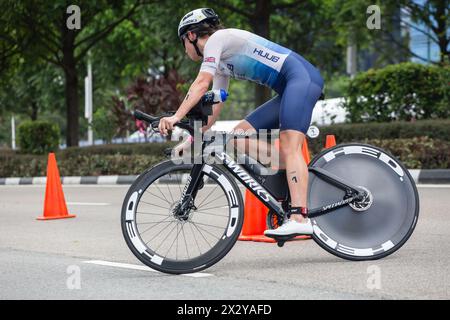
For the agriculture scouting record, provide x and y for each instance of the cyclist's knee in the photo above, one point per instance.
(288, 149)
(243, 125)
(291, 142)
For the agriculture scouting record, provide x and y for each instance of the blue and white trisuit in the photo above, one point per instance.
(244, 55)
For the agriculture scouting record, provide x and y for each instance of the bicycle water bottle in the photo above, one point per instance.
(215, 96)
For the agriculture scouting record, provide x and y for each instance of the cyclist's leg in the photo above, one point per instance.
(297, 103)
(265, 116)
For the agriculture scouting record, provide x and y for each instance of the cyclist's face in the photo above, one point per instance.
(189, 47)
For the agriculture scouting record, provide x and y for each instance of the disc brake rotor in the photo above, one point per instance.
(365, 203)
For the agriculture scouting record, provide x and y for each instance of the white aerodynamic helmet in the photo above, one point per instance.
(195, 17)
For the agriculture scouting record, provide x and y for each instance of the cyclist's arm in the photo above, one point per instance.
(212, 119)
(196, 91)
(220, 81)
(212, 54)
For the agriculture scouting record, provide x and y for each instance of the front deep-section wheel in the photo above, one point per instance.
(169, 242)
(377, 225)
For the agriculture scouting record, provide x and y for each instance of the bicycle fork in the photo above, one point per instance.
(193, 184)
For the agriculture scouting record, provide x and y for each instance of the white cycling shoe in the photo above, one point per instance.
(291, 228)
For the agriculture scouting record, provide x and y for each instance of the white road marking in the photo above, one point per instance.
(143, 268)
(88, 203)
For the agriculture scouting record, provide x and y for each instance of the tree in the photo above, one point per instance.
(53, 41)
(429, 17)
(432, 19)
(9, 47)
(352, 21)
(30, 88)
(145, 45)
(308, 29)
(153, 95)
(257, 14)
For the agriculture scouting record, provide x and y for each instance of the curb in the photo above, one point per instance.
(422, 176)
(434, 176)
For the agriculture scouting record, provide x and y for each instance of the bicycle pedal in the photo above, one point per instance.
(280, 244)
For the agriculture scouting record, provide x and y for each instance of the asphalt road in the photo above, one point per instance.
(87, 258)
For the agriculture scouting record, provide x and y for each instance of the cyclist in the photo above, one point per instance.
(241, 54)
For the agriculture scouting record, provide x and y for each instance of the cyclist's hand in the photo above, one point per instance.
(167, 123)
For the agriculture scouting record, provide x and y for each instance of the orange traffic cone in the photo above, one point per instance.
(305, 152)
(255, 212)
(330, 141)
(54, 203)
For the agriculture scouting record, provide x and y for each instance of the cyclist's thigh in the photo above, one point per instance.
(303, 88)
(297, 104)
(266, 116)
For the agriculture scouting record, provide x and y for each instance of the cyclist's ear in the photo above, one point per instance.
(191, 36)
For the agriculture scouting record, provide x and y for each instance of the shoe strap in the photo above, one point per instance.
(298, 210)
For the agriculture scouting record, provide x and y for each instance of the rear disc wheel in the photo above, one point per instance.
(375, 226)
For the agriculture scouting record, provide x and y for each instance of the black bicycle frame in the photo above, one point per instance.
(352, 192)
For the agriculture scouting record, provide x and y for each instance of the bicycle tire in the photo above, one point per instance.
(146, 255)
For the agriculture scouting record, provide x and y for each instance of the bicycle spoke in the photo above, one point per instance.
(210, 246)
(156, 214)
(149, 222)
(170, 193)
(222, 206)
(156, 196)
(176, 254)
(169, 222)
(185, 243)
(176, 225)
(211, 214)
(196, 224)
(207, 195)
(195, 239)
(208, 225)
(156, 185)
(163, 221)
(205, 204)
(158, 233)
(152, 204)
(176, 250)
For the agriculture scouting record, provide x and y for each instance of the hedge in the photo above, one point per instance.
(435, 129)
(415, 153)
(123, 159)
(114, 149)
(422, 144)
(399, 92)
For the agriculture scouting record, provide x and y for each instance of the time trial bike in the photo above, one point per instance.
(185, 217)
